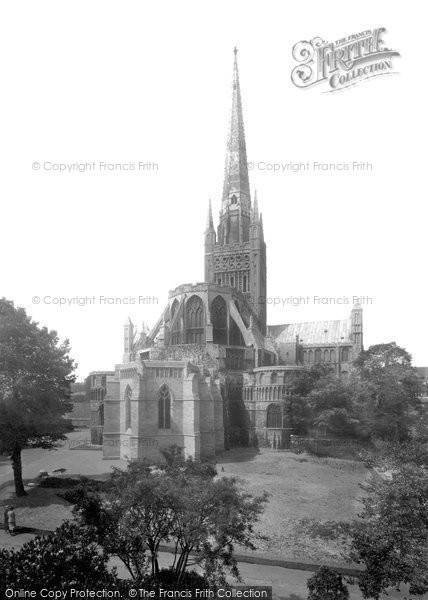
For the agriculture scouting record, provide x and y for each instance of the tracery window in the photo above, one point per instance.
(219, 320)
(194, 321)
(164, 408)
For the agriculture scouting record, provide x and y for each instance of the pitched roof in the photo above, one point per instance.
(312, 332)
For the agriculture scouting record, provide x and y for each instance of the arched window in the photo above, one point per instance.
(305, 356)
(318, 355)
(326, 356)
(345, 354)
(274, 416)
(311, 356)
(332, 356)
(128, 395)
(219, 320)
(274, 378)
(164, 408)
(194, 321)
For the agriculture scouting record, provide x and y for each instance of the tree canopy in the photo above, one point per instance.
(35, 376)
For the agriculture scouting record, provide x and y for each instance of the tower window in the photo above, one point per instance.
(234, 199)
(164, 408)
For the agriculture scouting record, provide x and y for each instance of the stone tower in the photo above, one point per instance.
(236, 255)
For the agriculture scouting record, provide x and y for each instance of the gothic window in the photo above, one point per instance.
(274, 416)
(219, 320)
(345, 354)
(232, 281)
(128, 395)
(274, 378)
(305, 356)
(244, 284)
(233, 199)
(164, 408)
(195, 321)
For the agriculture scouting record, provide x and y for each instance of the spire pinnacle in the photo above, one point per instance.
(255, 212)
(210, 222)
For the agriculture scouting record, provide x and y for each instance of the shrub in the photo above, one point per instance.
(327, 584)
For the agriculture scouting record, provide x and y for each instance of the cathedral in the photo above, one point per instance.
(211, 373)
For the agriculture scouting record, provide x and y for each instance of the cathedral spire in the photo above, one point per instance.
(236, 189)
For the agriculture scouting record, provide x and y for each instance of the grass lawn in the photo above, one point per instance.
(305, 491)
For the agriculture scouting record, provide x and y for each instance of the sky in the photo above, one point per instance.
(122, 83)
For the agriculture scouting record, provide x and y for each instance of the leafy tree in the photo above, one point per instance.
(317, 397)
(35, 377)
(66, 558)
(327, 584)
(183, 504)
(391, 540)
(332, 406)
(387, 392)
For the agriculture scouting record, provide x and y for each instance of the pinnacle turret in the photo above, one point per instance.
(210, 222)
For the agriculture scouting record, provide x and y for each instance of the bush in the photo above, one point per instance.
(327, 584)
(68, 557)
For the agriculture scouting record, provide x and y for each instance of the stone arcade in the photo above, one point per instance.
(211, 372)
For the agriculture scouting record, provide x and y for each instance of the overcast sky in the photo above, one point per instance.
(130, 82)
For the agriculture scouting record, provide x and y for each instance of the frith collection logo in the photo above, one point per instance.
(342, 63)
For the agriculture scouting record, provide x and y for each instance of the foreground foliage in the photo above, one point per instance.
(182, 504)
(67, 557)
(327, 584)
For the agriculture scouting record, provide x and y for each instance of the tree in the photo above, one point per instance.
(317, 397)
(66, 558)
(332, 406)
(35, 377)
(327, 584)
(387, 392)
(391, 540)
(181, 503)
